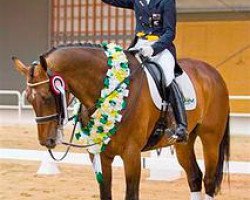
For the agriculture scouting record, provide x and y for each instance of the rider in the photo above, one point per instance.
(155, 33)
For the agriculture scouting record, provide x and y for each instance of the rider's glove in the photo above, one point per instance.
(147, 51)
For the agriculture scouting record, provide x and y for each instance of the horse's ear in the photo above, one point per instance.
(43, 63)
(22, 68)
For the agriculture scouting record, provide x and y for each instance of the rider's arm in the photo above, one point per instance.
(121, 3)
(169, 24)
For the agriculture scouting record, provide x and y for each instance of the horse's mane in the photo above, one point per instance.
(72, 45)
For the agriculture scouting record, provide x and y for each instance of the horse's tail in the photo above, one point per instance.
(224, 156)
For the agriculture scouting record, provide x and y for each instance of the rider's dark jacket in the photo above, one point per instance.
(156, 18)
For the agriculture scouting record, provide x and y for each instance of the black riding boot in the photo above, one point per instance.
(176, 100)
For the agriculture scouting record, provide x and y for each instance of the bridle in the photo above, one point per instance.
(58, 90)
(57, 87)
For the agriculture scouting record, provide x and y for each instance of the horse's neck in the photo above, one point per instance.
(83, 72)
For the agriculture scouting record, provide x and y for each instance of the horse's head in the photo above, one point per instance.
(42, 97)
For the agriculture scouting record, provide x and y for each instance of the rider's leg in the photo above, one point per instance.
(167, 61)
(177, 102)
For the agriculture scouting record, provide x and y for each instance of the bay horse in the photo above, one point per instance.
(83, 67)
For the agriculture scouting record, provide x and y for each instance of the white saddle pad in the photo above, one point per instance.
(185, 85)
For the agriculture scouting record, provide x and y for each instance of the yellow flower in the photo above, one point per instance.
(116, 56)
(113, 96)
(97, 114)
(97, 139)
(119, 75)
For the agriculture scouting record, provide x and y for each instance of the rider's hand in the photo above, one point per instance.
(147, 51)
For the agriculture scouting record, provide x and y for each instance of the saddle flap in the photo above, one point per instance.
(157, 74)
(185, 84)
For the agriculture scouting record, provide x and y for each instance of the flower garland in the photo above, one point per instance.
(103, 123)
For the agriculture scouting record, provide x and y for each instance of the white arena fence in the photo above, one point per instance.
(163, 167)
(15, 93)
(240, 122)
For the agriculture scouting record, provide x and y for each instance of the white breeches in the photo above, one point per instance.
(165, 59)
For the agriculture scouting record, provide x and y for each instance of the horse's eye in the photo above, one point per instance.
(29, 98)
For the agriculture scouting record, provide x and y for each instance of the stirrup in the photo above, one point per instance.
(172, 136)
(176, 139)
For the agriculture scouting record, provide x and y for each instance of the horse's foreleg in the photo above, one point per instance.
(187, 159)
(132, 165)
(105, 187)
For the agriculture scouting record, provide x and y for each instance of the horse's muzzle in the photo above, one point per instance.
(50, 143)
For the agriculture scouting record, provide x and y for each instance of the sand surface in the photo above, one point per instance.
(18, 179)
(19, 182)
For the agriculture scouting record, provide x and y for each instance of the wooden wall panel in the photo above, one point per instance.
(226, 46)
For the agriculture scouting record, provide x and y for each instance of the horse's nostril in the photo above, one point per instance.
(51, 142)
(43, 143)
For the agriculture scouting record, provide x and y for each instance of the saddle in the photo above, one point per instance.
(157, 74)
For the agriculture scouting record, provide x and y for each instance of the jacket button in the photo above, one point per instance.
(140, 18)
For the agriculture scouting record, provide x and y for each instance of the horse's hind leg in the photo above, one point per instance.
(187, 159)
(213, 158)
(211, 154)
(132, 165)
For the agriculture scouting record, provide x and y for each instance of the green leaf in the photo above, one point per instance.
(106, 82)
(103, 148)
(124, 65)
(105, 44)
(100, 129)
(124, 104)
(75, 118)
(99, 177)
(127, 81)
(118, 48)
(112, 102)
(99, 102)
(104, 120)
(91, 122)
(112, 131)
(78, 135)
(90, 125)
(110, 62)
(86, 131)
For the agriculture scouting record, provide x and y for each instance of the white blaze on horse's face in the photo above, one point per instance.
(38, 94)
